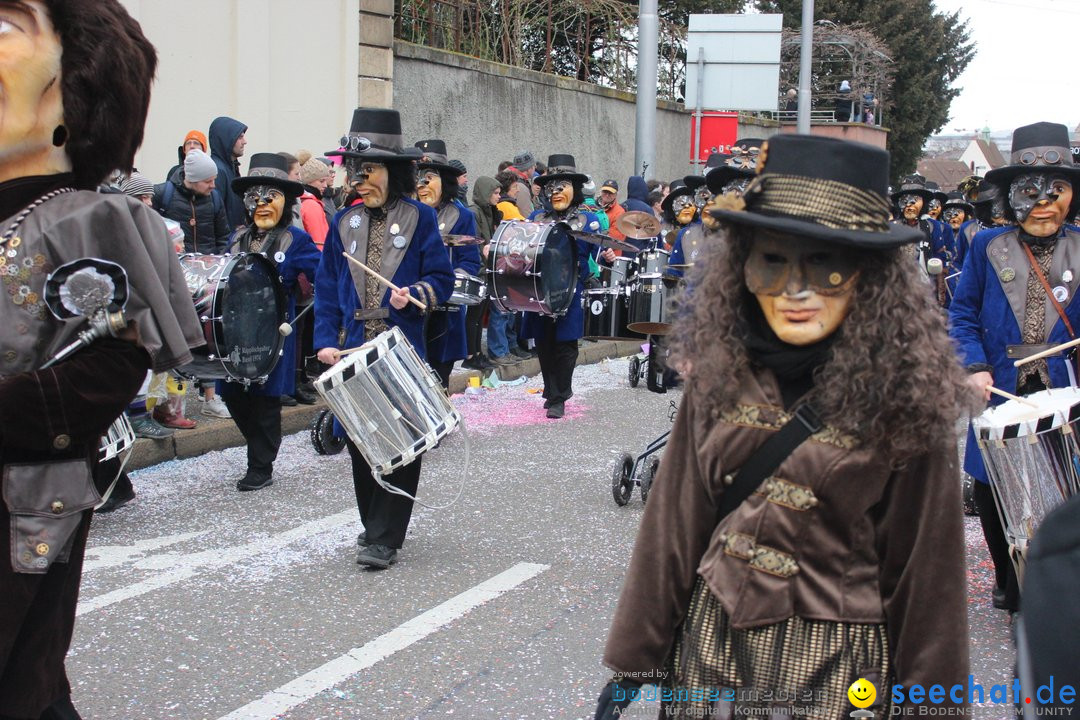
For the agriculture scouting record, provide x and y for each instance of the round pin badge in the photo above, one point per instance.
(352, 248)
(354, 222)
(394, 229)
(1067, 276)
(279, 257)
(442, 226)
(399, 242)
(1007, 274)
(1061, 293)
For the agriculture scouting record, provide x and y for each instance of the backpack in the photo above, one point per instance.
(168, 189)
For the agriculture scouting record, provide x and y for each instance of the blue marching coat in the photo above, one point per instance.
(301, 256)
(571, 325)
(420, 263)
(446, 328)
(986, 314)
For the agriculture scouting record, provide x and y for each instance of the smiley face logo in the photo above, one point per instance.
(861, 693)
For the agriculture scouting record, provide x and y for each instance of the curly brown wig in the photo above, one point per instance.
(106, 67)
(893, 381)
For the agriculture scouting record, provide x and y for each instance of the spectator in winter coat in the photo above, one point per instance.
(189, 197)
(637, 195)
(227, 142)
(195, 139)
(314, 176)
(510, 185)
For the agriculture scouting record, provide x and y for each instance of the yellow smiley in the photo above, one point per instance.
(861, 693)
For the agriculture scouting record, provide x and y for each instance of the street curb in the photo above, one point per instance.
(218, 434)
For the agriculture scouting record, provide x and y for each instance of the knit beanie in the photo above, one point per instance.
(313, 170)
(136, 185)
(198, 167)
(196, 135)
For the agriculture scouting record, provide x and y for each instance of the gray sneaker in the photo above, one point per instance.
(504, 360)
(146, 427)
(215, 407)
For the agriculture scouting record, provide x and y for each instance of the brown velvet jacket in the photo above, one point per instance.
(833, 535)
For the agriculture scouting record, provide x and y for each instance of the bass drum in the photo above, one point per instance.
(241, 305)
(649, 298)
(533, 267)
(606, 315)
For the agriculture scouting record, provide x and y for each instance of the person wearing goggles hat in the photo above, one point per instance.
(936, 250)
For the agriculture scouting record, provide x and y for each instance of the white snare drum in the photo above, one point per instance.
(468, 289)
(1031, 456)
(389, 401)
(119, 438)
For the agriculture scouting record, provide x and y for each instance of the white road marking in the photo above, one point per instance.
(184, 567)
(322, 678)
(113, 555)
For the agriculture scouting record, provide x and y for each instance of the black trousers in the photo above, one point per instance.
(385, 515)
(305, 330)
(558, 358)
(443, 370)
(474, 326)
(996, 543)
(259, 419)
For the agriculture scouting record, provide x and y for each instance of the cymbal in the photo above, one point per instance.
(604, 241)
(459, 240)
(680, 266)
(637, 224)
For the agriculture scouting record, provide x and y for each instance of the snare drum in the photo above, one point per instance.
(241, 304)
(389, 401)
(468, 289)
(652, 262)
(117, 439)
(1031, 456)
(533, 267)
(649, 313)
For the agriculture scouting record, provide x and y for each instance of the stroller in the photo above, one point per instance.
(641, 470)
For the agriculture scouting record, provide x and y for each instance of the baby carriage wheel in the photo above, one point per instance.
(635, 371)
(622, 484)
(647, 474)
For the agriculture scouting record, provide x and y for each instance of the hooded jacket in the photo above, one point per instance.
(637, 195)
(487, 216)
(223, 134)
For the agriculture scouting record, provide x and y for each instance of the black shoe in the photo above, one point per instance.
(306, 394)
(376, 556)
(523, 354)
(548, 403)
(476, 362)
(115, 502)
(557, 410)
(1001, 601)
(361, 539)
(288, 401)
(251, 481)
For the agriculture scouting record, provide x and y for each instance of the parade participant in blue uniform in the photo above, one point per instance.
(960, 216)
(556, 337)
(721, 180)
(990, 206)
(913, 199)
(937, 201)
(1017, 295)
(397, 237)
(266, 192)
(437, 187)
(679, 211)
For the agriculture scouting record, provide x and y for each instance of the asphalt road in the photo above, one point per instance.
(202, 602)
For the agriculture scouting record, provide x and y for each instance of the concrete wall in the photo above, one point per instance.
(287, 70)
(487, 112)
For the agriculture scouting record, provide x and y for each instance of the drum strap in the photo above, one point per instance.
(772, 453)
(1046, 287)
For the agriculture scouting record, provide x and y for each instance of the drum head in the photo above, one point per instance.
(251, 305)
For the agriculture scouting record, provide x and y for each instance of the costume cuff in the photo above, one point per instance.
(979, 367)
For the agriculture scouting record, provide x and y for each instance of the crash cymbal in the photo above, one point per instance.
(459, 240)
(637, 224)
(680, 266)
(604, 241)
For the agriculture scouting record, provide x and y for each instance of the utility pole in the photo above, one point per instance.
(645, 133)
(806, 56)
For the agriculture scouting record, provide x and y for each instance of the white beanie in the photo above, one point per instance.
(198, 166)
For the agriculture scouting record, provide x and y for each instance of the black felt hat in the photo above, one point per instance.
(268, 169)
(435, 157)
(823, 188)
(913, 185)
(678, 188)
(375, 134)
(957, 199)
(721, 175)
(562, 167)
(1041, 147)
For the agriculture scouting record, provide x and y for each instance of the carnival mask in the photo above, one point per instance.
(743, 157)
(31, 103)
(735, 187)
(934, 210)
(560, 194)
(1040, 202)
(997, 211)
(911, 206)
(702, 197)
(265, 204)
(371, 180)
(683, 209)
(804, 286)
(429, 187)
(955, 216)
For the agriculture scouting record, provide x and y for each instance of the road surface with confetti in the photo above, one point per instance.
(202, 602)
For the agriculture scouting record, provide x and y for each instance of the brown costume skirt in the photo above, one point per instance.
(794, 668)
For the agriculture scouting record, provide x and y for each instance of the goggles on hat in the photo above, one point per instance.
(356, 143)
(260, 195)
(1049, 157)
(776, 266)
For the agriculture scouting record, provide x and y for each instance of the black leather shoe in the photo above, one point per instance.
(556, 411)
(306, 394)
(254, 482)
(376, 556)
(361, 539)
(523, 354)
(288, 401)
(115, 502)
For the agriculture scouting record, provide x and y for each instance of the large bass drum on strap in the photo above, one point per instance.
(533, 267)
(241, 305)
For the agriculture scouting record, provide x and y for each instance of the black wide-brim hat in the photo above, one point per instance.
(677, 190)
(268, 169)
(562, 167)
(823, 188)
(694, 181)
(718, 177)
(375, 134)
(434, 157)
(956, 199)
(1034, 142)
(909, 186)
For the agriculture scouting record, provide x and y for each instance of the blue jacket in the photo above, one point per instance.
(571, 325)
(688, 243)
(987, 313)
(301, 256)
(637, 195)
(421, 264)
(223, 134)
(446, 328)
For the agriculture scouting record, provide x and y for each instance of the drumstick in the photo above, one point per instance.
(1047, 353)
(1010, 396)
(349, 350)
(383, 280)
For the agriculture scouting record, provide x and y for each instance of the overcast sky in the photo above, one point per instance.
(1024, 67)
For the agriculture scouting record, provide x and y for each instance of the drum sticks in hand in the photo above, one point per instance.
(382, 280)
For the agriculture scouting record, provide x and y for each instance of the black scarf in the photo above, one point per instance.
(1034, 241)
(793, 365)
(17, 193)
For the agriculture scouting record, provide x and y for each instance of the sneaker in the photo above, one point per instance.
(504, 360)
(305, 394)
(146, 427)
(556, 411)
(177, 420)
(288, 401)
(215, 407)
(376, 556)
(115, 502)
(523, 354)
(252, 481)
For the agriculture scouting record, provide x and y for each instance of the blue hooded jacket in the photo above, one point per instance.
(637, 195)
(223, 134)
